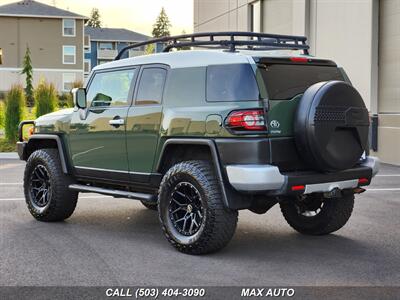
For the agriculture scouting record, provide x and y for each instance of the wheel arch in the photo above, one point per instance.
(179, 146)
(42, 141)
(231, 198)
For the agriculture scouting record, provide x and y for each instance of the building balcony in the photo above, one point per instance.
(106, 54)
(133, 53)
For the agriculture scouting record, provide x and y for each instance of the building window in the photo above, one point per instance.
(87, 44)
(106, 46)
(87, 66)
(68, 81)
(255, 17)
(69, 55)
(1, 56)
(68, 27)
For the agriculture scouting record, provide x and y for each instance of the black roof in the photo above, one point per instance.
(30, 8)
(114, 34)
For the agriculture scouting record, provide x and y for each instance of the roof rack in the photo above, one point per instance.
(227, 39)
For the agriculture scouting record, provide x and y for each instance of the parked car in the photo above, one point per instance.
(200, 134)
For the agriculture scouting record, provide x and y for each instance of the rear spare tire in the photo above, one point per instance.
(331, 126)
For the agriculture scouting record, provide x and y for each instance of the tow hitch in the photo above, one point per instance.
(334, 193)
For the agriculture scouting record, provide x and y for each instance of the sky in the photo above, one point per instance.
(136, 15)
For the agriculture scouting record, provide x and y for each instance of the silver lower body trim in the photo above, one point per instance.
(373, 163)
(255, 177)
(329, 186)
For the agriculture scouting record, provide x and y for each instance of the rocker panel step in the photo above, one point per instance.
(115, 193)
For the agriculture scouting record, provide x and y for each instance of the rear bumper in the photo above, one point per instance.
(270, 180)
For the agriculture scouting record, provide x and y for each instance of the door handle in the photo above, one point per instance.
(116, 122)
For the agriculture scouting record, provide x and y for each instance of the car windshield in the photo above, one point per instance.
(285, 81)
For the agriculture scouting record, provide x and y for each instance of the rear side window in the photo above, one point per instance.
(235, 82)
(284, 82)
(151, 86)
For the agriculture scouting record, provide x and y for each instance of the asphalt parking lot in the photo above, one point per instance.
(119, 242)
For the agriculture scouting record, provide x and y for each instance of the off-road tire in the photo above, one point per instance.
(151, 206)
(62, 201)
(219, 223)
(333, 215)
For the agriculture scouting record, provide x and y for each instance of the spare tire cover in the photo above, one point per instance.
(331, 126)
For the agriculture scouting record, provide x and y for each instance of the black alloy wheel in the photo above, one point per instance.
(40, 186)
(185, 209)
(191, 209)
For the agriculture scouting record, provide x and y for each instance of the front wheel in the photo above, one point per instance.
(316, 215)
(192, 213)
(46, 187)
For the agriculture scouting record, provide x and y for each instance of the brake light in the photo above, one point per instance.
(363, 181)
(247, 120)
(299, 59)
(298, 188)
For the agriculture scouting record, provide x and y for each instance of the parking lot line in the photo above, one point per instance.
(84, 197)
(388, 175)
(383, 189)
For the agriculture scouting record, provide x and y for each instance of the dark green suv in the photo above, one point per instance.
(200, 134)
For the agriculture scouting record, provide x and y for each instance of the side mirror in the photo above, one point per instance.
(79, 97)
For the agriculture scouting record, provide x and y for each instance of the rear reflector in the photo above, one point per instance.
(247, 120)
(298, 188)
(363, 181)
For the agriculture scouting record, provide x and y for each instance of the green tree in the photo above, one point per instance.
(150, 49)
(46, 98)
(94, 20)
(14, 111)
(162, 25)
(27, 69)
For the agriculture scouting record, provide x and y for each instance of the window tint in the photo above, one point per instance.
(186, 86)
(110, 88)
(284, 82)
(151, 86)
(235, 82)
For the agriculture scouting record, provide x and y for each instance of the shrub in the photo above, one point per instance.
(14, 110)
(65, 100)
(2, 114)
(45, 98)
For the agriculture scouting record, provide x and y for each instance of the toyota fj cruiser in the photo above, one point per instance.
(200, 134)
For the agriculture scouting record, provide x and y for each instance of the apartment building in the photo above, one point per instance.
(363, 36)
(103, 44)
(54, 37)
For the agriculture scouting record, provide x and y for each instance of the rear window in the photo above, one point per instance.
(284, 82)
(235, 82)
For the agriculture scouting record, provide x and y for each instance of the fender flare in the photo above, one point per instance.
(60, 147)
(214, 155)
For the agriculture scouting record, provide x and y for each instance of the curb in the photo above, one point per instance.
(9, 155)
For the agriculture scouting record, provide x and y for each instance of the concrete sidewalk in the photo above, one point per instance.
(9, 155)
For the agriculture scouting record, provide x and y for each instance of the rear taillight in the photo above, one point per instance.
(243, 120)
